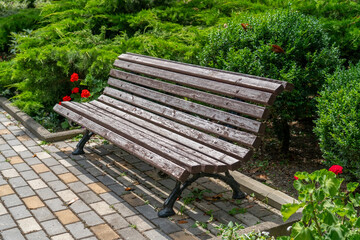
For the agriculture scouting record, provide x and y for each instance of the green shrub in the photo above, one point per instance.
(307, 58)
(338, 125)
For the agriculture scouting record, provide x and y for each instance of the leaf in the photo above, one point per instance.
(289, 209)
(305, 234)
(329, 218)
(262, 177)
(182, 221)
(331, 185)
(336, 233)
(254, 170)
(245, 26)
(128, 189)
(352, 186)
(277, 49)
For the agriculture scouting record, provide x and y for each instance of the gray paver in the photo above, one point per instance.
(10, 173)
(53, 227)
(166, 225)
(102, 208)
(76, 170)
(50, 161)
(156, 234)
(2, 209)
(125, 209)
(89, 197)
(48, 176)
(130, 234)
(64, 236)
(5, 165)
(28, 225)
(4, 147)
(55, 204)
(79, 207)
(78, 230)
(43, 214)
(67, 195)
(25, 154)
(14, 142)
(148, 211)
(39, 235)
(11, 200)
(46, 193)
(140, 222)
(32, 161)
(6, 222)
(37, 184)
(25, 191)
(87, 178)
(9, 153)
(116, 221)
(29, 175)
(17, 182)
(57, 185)
(22, 167)
(12, 234)
(78, 187)
(59, 169)
(91, 218)
(106, 180)
(111, 198)
(19, 212)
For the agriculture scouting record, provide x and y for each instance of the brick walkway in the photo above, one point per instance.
(46, 193)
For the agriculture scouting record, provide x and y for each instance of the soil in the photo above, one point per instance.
(277, 169)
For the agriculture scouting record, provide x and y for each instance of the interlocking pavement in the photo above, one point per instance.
(47, 193)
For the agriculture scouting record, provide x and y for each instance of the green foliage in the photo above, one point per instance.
(309, 55)
(328, 213)
(339, 116)
(228, 231)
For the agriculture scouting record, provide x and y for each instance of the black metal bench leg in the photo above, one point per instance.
(80, 146)
(168, 210)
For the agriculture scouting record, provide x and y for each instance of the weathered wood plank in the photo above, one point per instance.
(214, 74)
(244, 138)
(148, 156)
(214, 157)
(226, 89)
(211, 113)
(251, 110)
(164, 123)
(207, 163)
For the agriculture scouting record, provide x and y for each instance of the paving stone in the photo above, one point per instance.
(259, 211)
(89, 197)
(46, 193)
(6, 222)
(11, 200)
(28, 225)
(133, 199)
(39, 235)
(67, 216)
(111, 198)
(166, 225)
(106, 180)
(84, 163)
(98, 187)
(12, 234)
(15, 160)
(29, 143)
(17, 182)
(33, 202)
(130, 234)
(19, 148)
(21, 167)
(5, 165)
(68, 178)
(104, 232)
(273, 218)
(2, 209)
(87, 178)
(148, 211)
(79, 206)
(48, 176)
(2, 181)
(40, 168)
(25, 191)
(182, 236)
(57, 185)
(5, 147)
(55, 204)
(29, 175)
(64, 236)
(95, 171)
(67, 162)
(59, 169)
(53, 227)
(77, 170)
(14, 142)
(19, 212)
(125, 209)
(78, 230)
(42, 214)
(6, 190)
(9, 153)
(37, 184)
(140, 222)
(78, 187)
(26, 154)
(102, 208)
(32, 161)
(158, 235)
(116, 221)
(67, 195)
(35, 149)
(118, 189)
(43, 155)
(91, 218)
(10, 173)
(143, 166)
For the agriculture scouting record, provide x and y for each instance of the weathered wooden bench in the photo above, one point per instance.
(185, 120)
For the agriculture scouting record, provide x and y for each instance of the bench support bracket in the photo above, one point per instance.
(176, 192)
(80, 146)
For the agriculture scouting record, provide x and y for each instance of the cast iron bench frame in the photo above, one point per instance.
(185, 120)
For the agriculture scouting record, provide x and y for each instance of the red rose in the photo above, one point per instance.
(59, 103)
(296, 178)
(74, 77)
(85, 93)
(66, 98)
(75, 90)
(336, 169)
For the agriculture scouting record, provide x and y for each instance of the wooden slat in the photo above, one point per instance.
(229, 161)
(226, 89)
(208, 164)
(208, 140)
(227, 103)
(152, 142)
(232, 134)
(211, 113)
(228, 77)
(148, 156)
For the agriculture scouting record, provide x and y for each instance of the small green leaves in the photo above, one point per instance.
(289, 209)
(352, 186)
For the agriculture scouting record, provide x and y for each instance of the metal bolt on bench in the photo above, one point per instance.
(185, 120)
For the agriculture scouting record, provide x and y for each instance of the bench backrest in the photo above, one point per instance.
(220, 109)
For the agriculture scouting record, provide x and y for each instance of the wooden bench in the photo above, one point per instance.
(185, 120)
